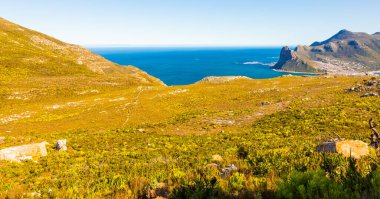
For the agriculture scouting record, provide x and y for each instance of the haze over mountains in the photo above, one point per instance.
(344, 53)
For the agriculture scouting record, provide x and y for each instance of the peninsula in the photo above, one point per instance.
(345, 53)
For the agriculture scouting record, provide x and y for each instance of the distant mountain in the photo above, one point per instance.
(27, 53)
(345, 52)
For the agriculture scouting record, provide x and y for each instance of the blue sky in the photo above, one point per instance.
(193, 22)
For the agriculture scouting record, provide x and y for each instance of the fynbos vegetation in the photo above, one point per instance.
(128, 136)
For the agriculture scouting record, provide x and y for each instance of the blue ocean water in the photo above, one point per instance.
(180, 66)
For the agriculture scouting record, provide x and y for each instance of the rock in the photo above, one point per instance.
(217, 158)
(228, 170)
(23, 152)
(25, 158)
(2, 140)
(370, 94)
(327, 147)
(264, 103)
(161, 190)
(178, 91)
(141, 130)
(220, 80)
(288, 75)
(371, 83)
(348, 148)
(285, 56)
(61, 145)
(349, 90)
(222, 121)
(35, 194)
(329, 76)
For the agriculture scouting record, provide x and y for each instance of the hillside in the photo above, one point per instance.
(145, 141)
(130, 137)
(344, 53)
(26, 53)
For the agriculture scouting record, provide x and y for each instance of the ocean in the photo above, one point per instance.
(181, 66)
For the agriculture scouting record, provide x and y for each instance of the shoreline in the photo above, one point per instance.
(310, 73)
(343, 73)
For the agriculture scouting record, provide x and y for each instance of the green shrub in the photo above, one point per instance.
(202, 187)
(237, 181)
(310, 184)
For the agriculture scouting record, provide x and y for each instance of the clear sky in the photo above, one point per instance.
(193, 22)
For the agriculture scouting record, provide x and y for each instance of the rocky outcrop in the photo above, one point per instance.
(290, 61)
(24, 152)
(221, 79)
(285, 56)
(228, 170)
(348, 148)
(61, 145)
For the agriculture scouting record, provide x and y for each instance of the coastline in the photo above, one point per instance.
(298, 72)
(343, 73)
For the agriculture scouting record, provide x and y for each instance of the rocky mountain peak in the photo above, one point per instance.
(344, 31)
(342, 35)
(344, 53)
(286, 55)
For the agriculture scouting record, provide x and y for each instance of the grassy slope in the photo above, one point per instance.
(62, 104)
(26, 53)
(119, 136)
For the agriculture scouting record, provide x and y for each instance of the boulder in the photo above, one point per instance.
(61, 145)
(264, 103)
(371, 83)
(226, 171)
(161, 190)
(370, 94)
(23, 152)
(348, 148)
(141, 130)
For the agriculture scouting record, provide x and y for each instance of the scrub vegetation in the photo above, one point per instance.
(139, 141)
(130, 136)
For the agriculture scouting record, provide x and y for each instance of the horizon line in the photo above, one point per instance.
(178, 46)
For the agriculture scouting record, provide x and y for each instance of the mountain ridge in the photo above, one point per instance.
(28, 53)
(344, 53)
(341, 35)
